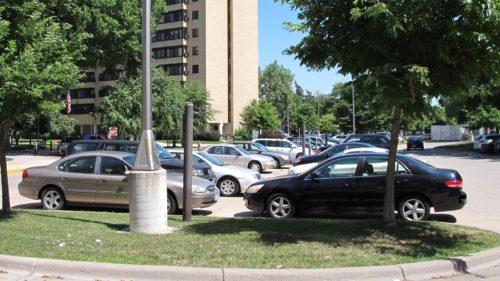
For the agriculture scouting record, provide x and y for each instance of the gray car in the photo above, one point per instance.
(101, 178)
(234, 155)
(280, 158)
(231, 180)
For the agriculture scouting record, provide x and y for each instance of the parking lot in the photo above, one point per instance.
(479, 171)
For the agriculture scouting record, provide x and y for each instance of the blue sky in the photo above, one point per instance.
(274, 39)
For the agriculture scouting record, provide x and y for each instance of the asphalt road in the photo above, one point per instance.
(479, 171)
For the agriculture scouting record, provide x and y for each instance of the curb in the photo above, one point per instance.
(25, 267)
(14, 171)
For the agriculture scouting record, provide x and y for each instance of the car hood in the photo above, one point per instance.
(261, 158)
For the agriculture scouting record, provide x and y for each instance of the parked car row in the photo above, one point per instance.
(345, 176)
(489, 143)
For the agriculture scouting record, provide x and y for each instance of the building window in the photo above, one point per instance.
(170, 34)
(111, 75)
(196, 51)
(89, 77)
(195, 15)
(173, 2)
(80, 109)
(173, 16)
(175, 69)
(104, 91)
(196, 68)
(83, 93)
(169, 52)
(195, 32)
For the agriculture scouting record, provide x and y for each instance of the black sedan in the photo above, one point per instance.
(414, 142)
(358, 181)
(331, 151)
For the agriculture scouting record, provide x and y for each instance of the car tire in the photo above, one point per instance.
(256, 166)
(172, 207)
(278, 165)
(53, 199)
(298, 155)
(228, 186)
(414, 208)
(280, 206)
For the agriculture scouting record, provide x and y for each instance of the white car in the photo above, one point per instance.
(234, 155)
(282, 145)
(231, 180)
(478, 141)
(295, 170)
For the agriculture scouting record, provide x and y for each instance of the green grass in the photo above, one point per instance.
(463, 146)
(235, 242)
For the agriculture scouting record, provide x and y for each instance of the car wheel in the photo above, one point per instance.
(280, 206)
(298, 155)
(414, 209)
(228, 186)
(255, 166)
(53, 199)
(277, 163)
(172, 207)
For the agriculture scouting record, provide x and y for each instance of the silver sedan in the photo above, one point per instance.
(101, 178)
(231, 180)
(234, 155)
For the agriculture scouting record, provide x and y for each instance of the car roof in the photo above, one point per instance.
(119, 154)
(107, 141)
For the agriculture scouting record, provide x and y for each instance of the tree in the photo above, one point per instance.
(36, 67)
(122, 107)
(275, 85)
(110, 30)
(259, 115)
(400, 52)
(328, 123)
(305, 114)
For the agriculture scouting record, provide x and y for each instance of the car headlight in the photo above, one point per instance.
(198, 172)
(199, 188)
(254, 188)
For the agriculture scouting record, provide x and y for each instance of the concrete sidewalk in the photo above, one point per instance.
(21, 161)
(23, 268)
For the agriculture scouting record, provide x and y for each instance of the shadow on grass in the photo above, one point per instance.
(406, 239)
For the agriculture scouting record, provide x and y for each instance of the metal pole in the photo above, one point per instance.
(147, 158)
(353, 112)
(188, 161)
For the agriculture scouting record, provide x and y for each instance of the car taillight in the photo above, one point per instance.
(453, 184)
(25, 173)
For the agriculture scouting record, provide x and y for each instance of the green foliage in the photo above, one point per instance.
(111, 29)
(259, 115)
(242, 134)
(60, 124)
(305, 114)
(122, 107)
(275, 85)
(207, 136)
(486, 116)
(327, 123)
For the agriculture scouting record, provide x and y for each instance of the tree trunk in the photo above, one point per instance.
(389, 216)
(3, 168)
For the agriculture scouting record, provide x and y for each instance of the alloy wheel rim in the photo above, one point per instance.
(52, 200)
(280, 207)
(227, 187)
(414, 210)
(168, 204)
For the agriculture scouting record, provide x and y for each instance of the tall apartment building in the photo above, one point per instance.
(214, 42)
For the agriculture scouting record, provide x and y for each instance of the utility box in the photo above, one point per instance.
(446, 133)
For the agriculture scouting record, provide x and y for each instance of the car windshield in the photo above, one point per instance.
(163, 153)
(242, 150)
(414, 138)
(211, 159)
(129, 159)
(260, 146)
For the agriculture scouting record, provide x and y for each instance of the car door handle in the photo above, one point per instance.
(104, 180)
(64, 178)
(403, 180)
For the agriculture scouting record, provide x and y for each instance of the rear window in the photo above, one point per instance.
(81, 147)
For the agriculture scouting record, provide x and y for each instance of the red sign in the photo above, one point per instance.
(112, 132)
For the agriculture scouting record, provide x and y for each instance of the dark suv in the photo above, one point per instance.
(167, 160)
(378, 140)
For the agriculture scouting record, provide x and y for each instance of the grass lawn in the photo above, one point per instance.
(462, 146)
(235, 242)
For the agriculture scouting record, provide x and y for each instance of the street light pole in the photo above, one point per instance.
(148, 205)
(353, 112)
